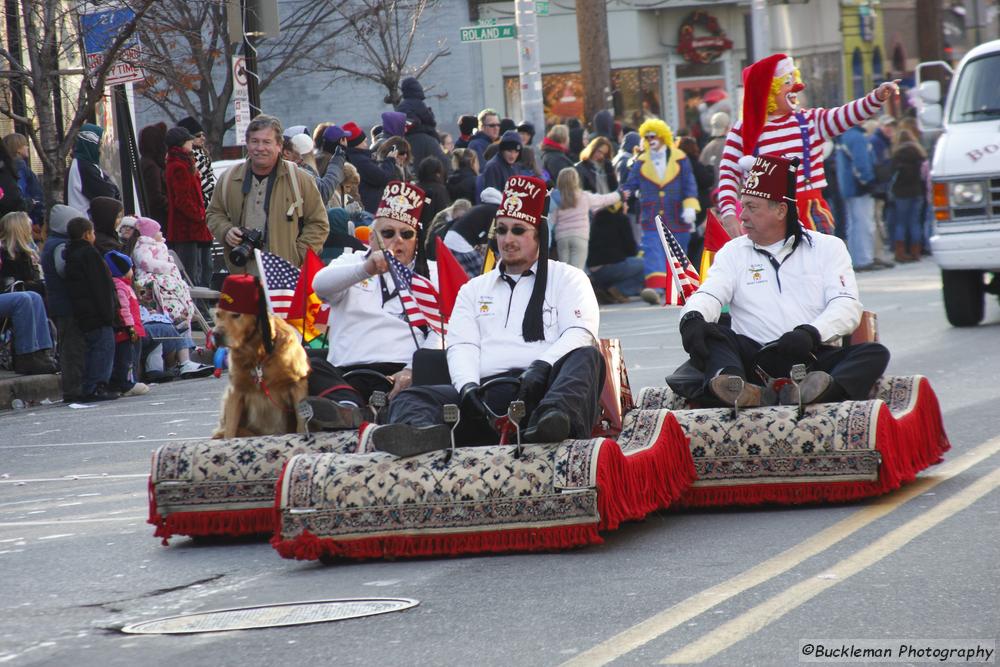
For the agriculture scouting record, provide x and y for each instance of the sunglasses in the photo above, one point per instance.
(405, 234)
(516, 231)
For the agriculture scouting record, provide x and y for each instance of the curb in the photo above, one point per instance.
(28, 388)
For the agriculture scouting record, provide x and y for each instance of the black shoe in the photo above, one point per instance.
(39, 362)
(405, 440)
(331, 415)
(157, 376)
(100, 395)
(552, 426)
(816, 387)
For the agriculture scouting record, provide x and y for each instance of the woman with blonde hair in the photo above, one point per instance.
(571, 220)
(908, 192)
(555, 150)
(19, 262)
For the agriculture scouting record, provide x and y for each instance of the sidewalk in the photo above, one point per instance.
(31, 389)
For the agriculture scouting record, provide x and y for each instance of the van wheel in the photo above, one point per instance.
(963, 297)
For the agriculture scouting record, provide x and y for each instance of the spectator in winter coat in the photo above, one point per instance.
(421, 126)
(430, 179)
(393, 125)
(571, 219)
(502, 166)
(712, 153)
(466, 128)
(374, 175)
(555, 150)
(152, 167)
(855, 176)
(93, 299)
(465, 169)
(186, 230)
(202, 160)
(527, 131)
(469, 234)
(10, 193)
(86, 179)
(106, 214)
(70, 341)
(612, 260)
(128, 329)
(27, 181)
(397, 151)
(908, 193)
(604, 126)
(489, 131)
(19, 261)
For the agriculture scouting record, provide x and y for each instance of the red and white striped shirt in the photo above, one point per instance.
(781, 136)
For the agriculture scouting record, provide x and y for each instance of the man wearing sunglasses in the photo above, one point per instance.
(368, 330)
(489, 131)
(529, 318)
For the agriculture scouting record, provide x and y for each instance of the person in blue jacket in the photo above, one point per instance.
(662, 178)
(856, 177)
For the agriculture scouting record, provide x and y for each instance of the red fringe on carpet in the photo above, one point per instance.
(908, 445)
(630, 487)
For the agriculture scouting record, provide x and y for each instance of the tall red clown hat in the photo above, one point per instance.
(757, 80)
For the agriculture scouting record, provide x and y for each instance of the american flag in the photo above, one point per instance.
(418, 296)
(684, 279)
(279, 278)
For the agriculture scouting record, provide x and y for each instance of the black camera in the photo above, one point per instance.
(253, 239)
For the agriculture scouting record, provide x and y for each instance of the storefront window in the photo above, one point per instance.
(635, 95)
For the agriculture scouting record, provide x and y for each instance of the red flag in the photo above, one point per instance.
(306, 311)
(715, 234)
(451, 277)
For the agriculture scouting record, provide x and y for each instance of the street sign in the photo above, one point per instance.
(99, 31)
(482, 33)
(241, 99)
(542, 7)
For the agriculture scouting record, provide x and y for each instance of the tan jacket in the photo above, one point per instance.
(284, 217)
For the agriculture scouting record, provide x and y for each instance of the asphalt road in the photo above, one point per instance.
(77, 560)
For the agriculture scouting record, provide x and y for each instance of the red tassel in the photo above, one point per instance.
(227, 523)
(307, 546)
(630, 487)
(909, 444)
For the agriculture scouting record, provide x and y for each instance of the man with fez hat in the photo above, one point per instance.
(368, 329)
(530, 318)
(782, 283)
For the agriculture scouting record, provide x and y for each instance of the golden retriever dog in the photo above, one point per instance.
(266, 382)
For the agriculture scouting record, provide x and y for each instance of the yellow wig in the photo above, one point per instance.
(776, 84)
(659, 128)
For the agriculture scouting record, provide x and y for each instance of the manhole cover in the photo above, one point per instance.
(270, 616)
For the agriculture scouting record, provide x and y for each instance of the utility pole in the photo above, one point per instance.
(929, 43)
(250, 32)
(529, 65)
(760, 29)
(595, 55)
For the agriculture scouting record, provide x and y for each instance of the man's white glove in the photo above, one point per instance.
(688, 215)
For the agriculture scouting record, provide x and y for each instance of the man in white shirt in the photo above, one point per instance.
(786, 284)
(368, 328)
(529, 318)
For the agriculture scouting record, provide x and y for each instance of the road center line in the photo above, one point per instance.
(661, 623)
(771, 610)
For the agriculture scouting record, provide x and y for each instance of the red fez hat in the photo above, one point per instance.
(240, 294)
(401, 202)
(771, 177)
(757, 80)
(523, 200)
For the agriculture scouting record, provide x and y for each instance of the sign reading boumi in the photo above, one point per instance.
(486, 33)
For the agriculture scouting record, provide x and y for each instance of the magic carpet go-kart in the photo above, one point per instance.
(329, 494)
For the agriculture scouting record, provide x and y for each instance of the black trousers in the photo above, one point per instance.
(328, 381)
(854, 368)
(574, 387)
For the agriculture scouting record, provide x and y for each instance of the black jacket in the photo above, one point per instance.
(374, 176)
(611, 241)
(424, 143)
(907, 182)
(554, 161)
(439, 201)
(462, 184)
(91, 290)
(474, 226)
(588, 175)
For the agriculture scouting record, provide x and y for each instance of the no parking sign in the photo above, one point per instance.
(241, 99)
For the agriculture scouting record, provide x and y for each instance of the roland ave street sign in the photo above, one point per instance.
(486, 33)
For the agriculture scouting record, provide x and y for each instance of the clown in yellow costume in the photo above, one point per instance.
(773, 124)
(662, 179)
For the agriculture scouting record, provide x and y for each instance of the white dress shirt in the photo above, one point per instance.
(771, 290)
(363, 329)
(484, 333)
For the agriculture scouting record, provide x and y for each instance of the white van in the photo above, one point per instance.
(966, 182)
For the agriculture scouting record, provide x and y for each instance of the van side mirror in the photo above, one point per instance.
(930, 92)
(930, 116)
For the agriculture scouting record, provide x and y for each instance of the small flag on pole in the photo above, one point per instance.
(418, 296)
(683, 279)
(279, 278)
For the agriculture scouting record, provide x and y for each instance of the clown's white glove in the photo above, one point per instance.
(688, 215)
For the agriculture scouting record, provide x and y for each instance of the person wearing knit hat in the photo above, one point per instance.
(187, 232)
(530, 318)
(106, 214)
(178, 136)
(771, 120)
(820, 307)
(128, 330)
(375, 174)
(85, 179)
(466, 128)
(501, 166)
(203, 161)
(663, 180)
(369, 329)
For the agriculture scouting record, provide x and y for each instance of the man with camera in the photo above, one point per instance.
(266, 203)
